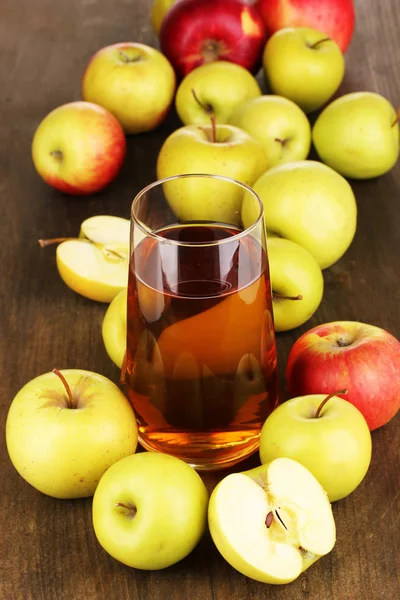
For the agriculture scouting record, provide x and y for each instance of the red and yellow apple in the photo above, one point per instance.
(333, 17)
(361, 358)
(79, 148)
(195, 32)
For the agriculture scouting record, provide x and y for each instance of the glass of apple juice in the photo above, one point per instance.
(200, 364)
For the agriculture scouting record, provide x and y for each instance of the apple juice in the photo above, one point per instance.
(200, 366)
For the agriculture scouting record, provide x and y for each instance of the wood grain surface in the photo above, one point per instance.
(48, 549)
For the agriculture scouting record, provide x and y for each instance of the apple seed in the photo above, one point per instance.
(269, 519)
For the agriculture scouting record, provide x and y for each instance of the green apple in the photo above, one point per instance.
(135, 82)
(216, 88)
(358, 135)
(96, 263)
(65, 428)
(328, 435)
(225, 150)
(273, 522)
(157, 14)
(297, 283)
(304, 65)
(278, 124)
(150, 510)
(114, 328)
(307, 203)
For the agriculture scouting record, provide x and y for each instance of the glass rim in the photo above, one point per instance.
(231, 180)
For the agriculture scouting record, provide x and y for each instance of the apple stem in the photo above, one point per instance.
(66, 386)
(130, 509)
(43, 243)
(213, 129)
(280, 297)
(397, 119)
(128, 59)
(208, 109)
(316, 44)
(325, 400)
(57, 154)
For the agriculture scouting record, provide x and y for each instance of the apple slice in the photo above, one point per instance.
(96, 263)
(273, 522)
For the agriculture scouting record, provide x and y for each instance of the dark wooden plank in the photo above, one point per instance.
(48, 548)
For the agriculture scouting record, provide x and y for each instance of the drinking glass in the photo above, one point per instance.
(200, 365)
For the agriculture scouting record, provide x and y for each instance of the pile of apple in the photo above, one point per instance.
(211, 50)
(79, 432)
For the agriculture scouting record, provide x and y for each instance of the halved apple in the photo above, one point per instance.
(273, 522)
(96, 263)
(106, 229)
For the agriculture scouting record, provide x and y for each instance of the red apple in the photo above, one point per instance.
(195, 32)
(361, 358)
(333, 17)
(79, 148)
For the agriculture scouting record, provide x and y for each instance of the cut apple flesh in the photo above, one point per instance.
(96, 272)
(273, 522)
(106, 229)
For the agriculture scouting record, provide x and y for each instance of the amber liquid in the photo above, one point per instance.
(201, 356)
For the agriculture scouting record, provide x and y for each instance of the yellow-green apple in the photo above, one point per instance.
(79, 148)
(308, 203)
(272, 522)
(334, 17)
(326, 434)
(304, 65)
(150, 510)
(65, 428)
(223, 150)
(296, 281)
(135, 82)
(158, 11)
(114, 328)
(362, 358)
(214, 89)
(96, 263)
(358, 135)
(278, 124)
(194, 32)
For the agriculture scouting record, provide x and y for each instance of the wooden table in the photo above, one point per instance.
(48, 549)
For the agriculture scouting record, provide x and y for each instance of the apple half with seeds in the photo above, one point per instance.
(272, 522)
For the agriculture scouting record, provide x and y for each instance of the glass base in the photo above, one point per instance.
(210, 458)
